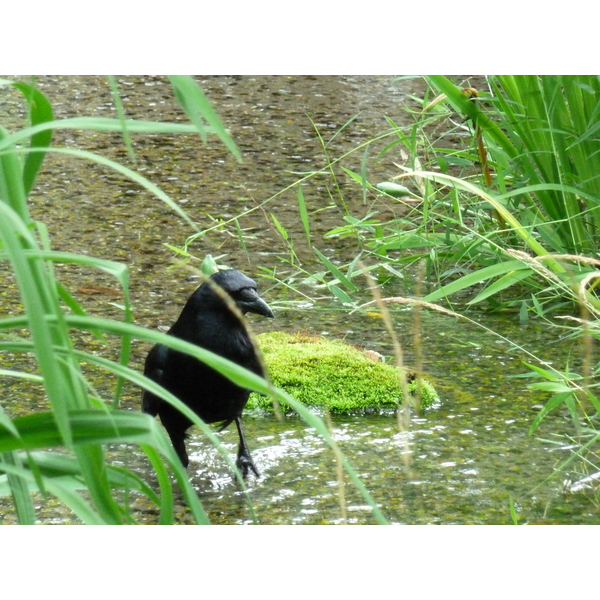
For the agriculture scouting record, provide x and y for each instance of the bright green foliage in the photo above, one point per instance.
(541, 135)
(543, 131)
(332, 374)
(554, 125)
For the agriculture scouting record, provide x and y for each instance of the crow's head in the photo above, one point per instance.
(241, 289)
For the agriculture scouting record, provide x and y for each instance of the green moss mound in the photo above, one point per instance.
(329, 373)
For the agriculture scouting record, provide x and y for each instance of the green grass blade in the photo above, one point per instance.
(197, 107)
(240, 235)
(97, 124)
(18, 487)
(500, 269)
(40, 111)
(304, 219)
(280, 228)
(62, 490)
(554, 402)
(92, 462)
(335, 271)
(167, 503)
(39, 430)
(501, 284)
(12, 190)
(342, 128)
(363, 174)
(114, 88)
(127, 172)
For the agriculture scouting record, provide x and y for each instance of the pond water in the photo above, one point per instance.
(460, 462)
(457, 463)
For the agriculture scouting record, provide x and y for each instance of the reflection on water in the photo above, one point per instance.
(455, 474)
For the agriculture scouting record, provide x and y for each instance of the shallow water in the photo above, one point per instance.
(458, 463)
(462, 462)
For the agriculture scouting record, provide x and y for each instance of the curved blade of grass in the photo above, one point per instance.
(39, 430)
(476, 277)
(504, 282)
(53, 465)
(66, 488)
(96, 124)
(65, 493)
(12, 190)
(21, 375)
(558, 187)
(339, 131)
(335, 271)
(92, 462)
(74, 306)
(164, 481)
(554, 402)
(119, 168)
(280, 228)
(499, 206)
(40, 111)
(197, 107)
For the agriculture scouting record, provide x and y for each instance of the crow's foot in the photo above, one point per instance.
(245, 463)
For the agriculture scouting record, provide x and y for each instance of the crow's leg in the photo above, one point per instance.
(178, 441)
(244, 460)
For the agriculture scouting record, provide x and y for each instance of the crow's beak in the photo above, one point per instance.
(252, 302)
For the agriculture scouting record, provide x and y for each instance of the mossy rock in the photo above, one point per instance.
(328, 373)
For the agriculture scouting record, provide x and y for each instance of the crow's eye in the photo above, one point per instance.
(245, 294)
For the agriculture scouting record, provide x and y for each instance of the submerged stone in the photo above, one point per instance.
(329, 373)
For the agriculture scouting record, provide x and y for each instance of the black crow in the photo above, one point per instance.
(207, 321)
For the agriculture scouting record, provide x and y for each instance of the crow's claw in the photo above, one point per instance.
(245, 463)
